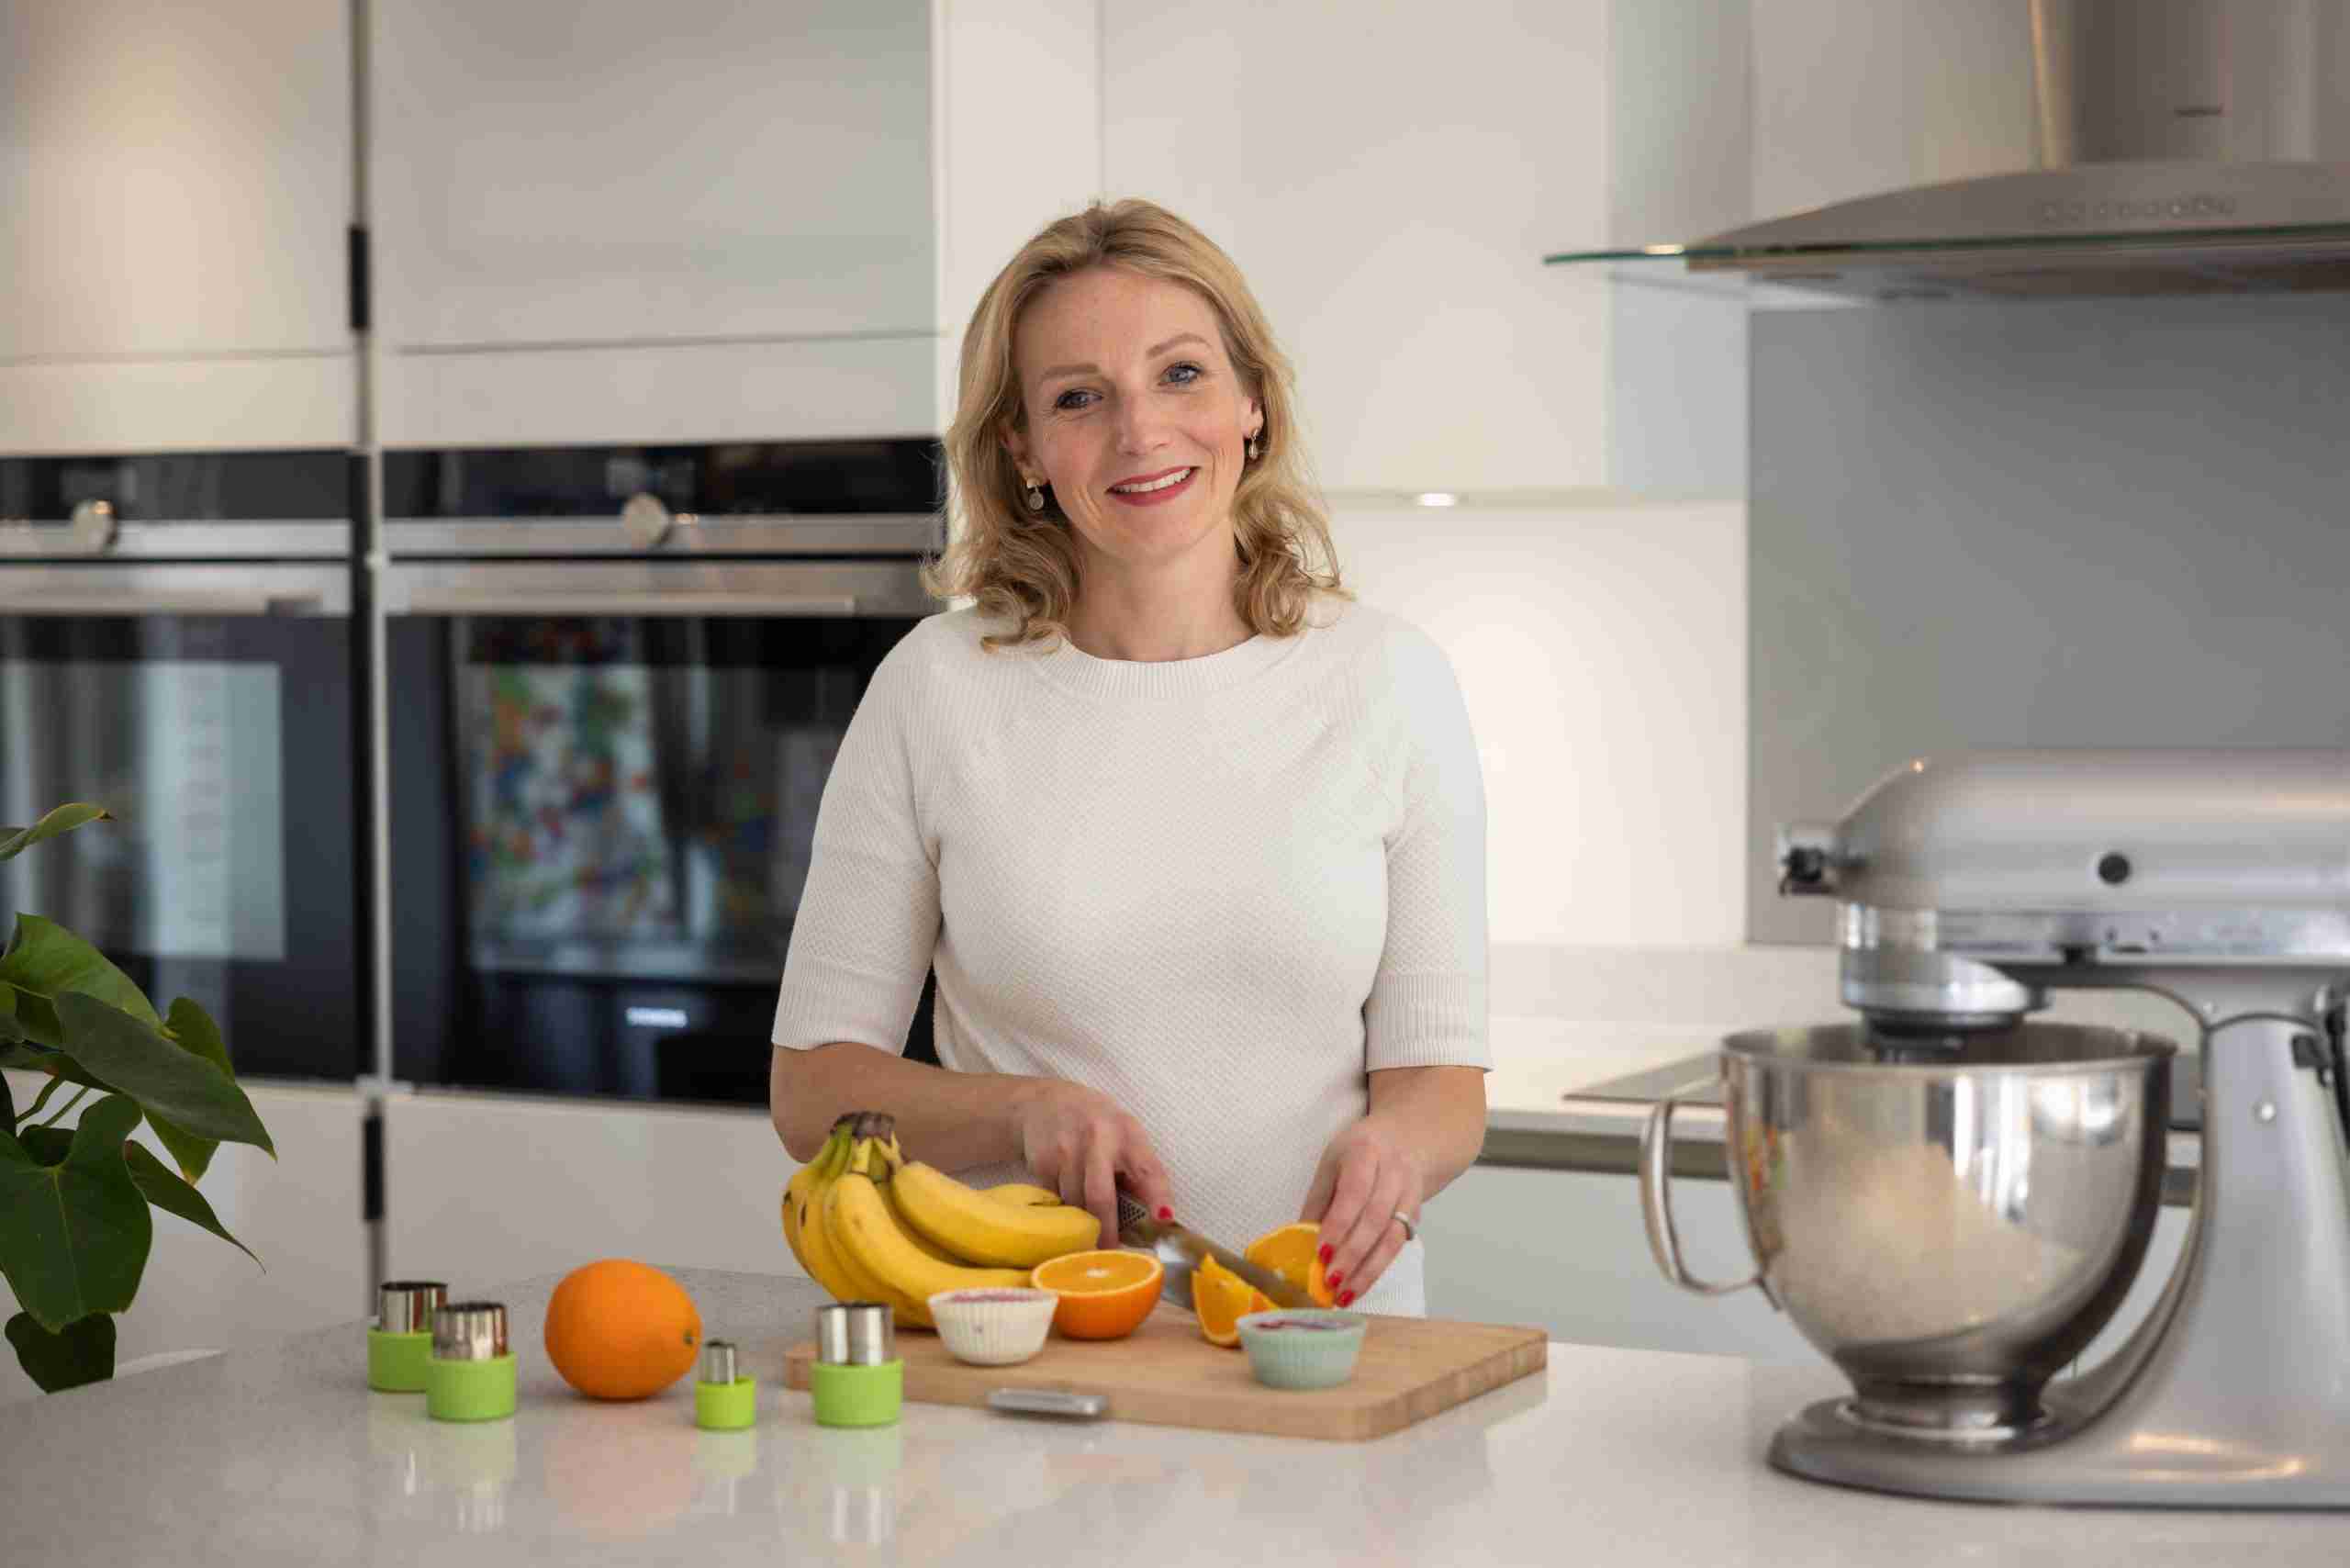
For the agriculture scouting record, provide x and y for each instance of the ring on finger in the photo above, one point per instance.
(1411, 1231)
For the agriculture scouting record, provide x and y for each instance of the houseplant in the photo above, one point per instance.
(74, 1230)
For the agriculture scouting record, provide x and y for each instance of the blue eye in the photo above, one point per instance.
(1063, 401)
(1184, 366)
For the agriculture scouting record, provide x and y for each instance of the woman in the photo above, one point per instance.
(1194, 843)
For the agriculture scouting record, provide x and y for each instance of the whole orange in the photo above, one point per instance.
(621, 1329)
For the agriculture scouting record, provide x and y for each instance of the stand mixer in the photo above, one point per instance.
(1970, 887)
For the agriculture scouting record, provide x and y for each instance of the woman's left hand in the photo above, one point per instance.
(1367, 1176)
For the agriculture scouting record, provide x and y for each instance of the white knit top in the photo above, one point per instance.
(1219, 890)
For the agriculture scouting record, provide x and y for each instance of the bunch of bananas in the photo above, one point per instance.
(869, 1225)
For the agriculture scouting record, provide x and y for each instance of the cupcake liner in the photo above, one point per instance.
(1320, 1357)
(993, 1327)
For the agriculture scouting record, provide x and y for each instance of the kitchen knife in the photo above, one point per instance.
(1181, 1249)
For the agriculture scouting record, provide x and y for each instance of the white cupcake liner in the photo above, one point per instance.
(993, 1333)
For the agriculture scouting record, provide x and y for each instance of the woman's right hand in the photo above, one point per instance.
(1078, 1141)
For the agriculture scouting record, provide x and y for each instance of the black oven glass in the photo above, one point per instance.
(222, 747)
(220, 486)
(600, 828)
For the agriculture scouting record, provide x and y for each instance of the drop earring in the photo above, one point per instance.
(1035, 496)
(1256, 449)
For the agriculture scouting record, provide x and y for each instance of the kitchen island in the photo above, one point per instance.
(281, 1454)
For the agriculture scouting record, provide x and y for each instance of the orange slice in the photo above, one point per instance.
(1294, 1252)
(1220, 1298)
(1104, 1295)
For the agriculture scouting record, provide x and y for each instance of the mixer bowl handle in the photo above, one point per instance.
(1656, 1202)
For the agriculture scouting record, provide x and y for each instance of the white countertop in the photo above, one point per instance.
(1537, 1062)
(1626, 1457)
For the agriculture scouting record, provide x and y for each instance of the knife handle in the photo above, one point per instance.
(1066, 1402)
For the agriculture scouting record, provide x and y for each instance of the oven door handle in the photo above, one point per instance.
(223, 604)
(590, 602)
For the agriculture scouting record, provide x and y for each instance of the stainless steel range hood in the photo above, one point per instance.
(2185, 147)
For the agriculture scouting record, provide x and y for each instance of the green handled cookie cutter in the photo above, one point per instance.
(857, 1395)
(395, 1361)
(469, 1390)
(726, 1406)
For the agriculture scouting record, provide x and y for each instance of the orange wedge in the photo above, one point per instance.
(1294, 1252)
(1104, 1295)
(1220, 1298)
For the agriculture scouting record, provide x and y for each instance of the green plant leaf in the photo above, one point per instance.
(76, 1234)
(173, 1196)
(47, 1146)
(20, 1052)
(83, 1352)
(14, 841)
(26, 1056)
(135, 1058)
(194, 1030)
(45, 962)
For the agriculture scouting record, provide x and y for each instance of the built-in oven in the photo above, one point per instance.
(175, 646)
(618, 678)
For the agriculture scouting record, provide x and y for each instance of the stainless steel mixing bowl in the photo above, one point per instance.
(1950, 1219)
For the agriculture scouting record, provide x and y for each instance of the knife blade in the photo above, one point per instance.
(1180, 1250)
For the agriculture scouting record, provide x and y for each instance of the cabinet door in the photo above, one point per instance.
(694, 221)
(1389, 181)
(1567, 1251)
(482, 1190)
(173, 239)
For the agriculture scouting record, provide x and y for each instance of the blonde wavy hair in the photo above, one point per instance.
(1022, 566)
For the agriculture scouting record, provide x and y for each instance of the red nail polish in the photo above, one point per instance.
(1165, 1213)
(1325, 1252)
(1333, 1281)
(1347, 1299)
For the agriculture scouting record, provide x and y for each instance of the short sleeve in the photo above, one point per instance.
(867, 922)
(1426, 1006)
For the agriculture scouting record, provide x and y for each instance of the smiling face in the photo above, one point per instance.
(1135, 418)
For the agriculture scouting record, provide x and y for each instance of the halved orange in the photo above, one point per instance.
(1220, 1298)
(1294, 1252)
(1105, 1294)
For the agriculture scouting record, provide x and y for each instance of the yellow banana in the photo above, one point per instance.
(988, 1231)
(1026, 1195)
(863, 1284)
(822, 1259)
(917, 1237)
(796, 1191)
(860, 1219)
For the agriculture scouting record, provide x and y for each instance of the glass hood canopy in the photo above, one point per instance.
(2109, 230)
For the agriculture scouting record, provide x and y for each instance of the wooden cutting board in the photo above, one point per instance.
(1165, 1375)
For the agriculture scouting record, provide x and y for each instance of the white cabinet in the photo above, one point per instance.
(299, 1213)
(1389, 179)
(698, 220)
(1567, 1251)
(480, 1189)
(704, 220)
(173, 236)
